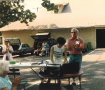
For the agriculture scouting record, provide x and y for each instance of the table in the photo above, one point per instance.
(41, 65)
(31, 65)
(26, 65)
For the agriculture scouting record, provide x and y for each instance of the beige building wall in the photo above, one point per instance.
(24, 36)
(87, 34)
(60, 33)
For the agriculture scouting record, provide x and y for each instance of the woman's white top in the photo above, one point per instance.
(8, 54)
(58, 54)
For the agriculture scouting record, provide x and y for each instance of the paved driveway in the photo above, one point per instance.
(94, 70)
(93, 77)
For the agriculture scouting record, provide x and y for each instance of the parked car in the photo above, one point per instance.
(0, 50)
(20, 48)
(24, 49)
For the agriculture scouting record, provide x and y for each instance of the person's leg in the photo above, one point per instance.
(59, 81)
(74, 81)
(46, 52)
(77, 58)
(71, 58)
(49, 80)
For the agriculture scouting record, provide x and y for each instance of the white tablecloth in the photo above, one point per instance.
(26, 65)
(30, 65)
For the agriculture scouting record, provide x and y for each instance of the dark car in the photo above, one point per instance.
(0, 50)
(20, 48)
(24, 49)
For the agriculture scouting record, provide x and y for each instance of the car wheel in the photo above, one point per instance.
(21, 54)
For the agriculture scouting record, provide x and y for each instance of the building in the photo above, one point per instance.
(88, 16)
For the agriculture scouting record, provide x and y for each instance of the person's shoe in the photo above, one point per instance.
(48, 81)
(73, 84)
(43, 80)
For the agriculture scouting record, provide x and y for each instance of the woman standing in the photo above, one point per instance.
(7, 51)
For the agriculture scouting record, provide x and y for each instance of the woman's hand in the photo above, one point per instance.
(16, 81)
(7, 49)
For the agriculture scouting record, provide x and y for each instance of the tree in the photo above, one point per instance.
(11, 11)
(50, 6)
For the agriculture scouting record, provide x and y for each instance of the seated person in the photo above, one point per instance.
(47, 47)
(58, 53)
(5, 83)
(43, 51)
(38, 51)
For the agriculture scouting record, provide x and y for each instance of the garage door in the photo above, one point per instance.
(100, 38)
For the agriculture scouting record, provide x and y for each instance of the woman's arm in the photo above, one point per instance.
(4, 89)
(10, 49)
(65, 55)
(14, 88)
(51, 54)
(15, 83)
(69, 45)
(4, 50)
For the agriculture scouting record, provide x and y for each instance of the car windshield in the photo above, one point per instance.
(25, 45)
(14, 41)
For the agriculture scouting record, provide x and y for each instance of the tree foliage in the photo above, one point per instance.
(49, 6)
(11, 11)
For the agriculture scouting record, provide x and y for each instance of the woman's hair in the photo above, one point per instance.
(4, 66)
(61, 40)
(6, 40)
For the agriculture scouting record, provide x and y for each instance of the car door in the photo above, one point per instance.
(29, 49)
(23, 48)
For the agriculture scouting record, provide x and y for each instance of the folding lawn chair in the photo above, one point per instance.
(72, 70)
